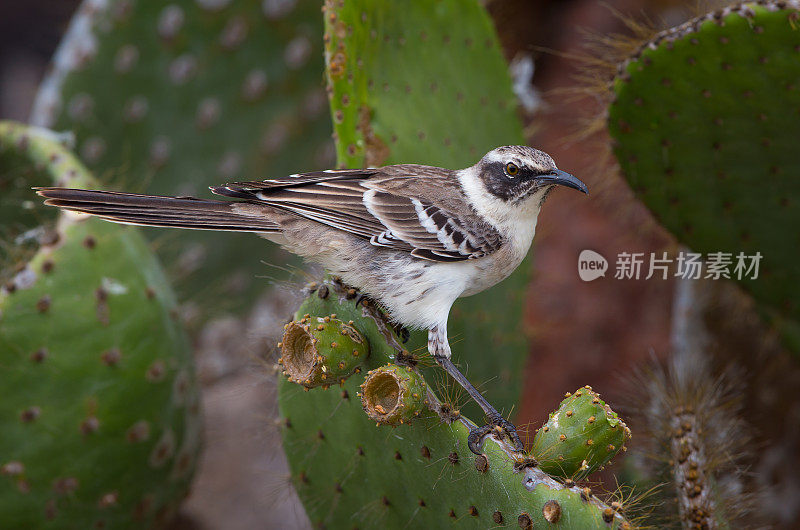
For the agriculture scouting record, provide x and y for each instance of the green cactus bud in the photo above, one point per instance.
(580, 437)
(320, 351)
(393, 394)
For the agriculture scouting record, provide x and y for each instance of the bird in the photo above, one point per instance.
(412, 237)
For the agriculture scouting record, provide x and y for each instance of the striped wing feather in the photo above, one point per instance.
(404, 217)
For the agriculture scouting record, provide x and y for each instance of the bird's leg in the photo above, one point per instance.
(439, 348)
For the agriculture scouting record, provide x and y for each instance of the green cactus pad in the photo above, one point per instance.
(413, 82)
(705, 121)
(422, 82)
(100, 411)
(171, 97)
(580, 437)
(318, 351)
(351, 473)
(393, 395)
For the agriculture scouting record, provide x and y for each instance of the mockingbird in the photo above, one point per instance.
(412, 237)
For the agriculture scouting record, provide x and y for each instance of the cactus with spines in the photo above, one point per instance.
(420, 474)
(100, 410)
(705, 120)
(320, 351)
(394, 394)
(580, 437)
(172, 97)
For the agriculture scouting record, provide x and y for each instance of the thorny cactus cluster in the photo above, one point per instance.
(701, 131)
(420, 474)
(86, 330)
(171, 97)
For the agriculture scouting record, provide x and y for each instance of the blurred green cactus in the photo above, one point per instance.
(580, 437)
(86, 329)
(351, 473)
(705, 122)
(169, 98)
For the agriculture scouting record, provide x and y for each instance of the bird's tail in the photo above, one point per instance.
(152, 210)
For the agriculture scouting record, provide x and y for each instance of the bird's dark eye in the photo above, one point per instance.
(512, 170)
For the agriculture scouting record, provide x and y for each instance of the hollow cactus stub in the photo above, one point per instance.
(393, 394)
(320, 351)
(580, 437)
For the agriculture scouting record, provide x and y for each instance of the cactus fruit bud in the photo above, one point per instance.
(312, 357)
(580, 437)
(393, 394)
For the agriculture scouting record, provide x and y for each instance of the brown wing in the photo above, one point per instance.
(395, 209)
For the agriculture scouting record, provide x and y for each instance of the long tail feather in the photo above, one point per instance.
(151, 210)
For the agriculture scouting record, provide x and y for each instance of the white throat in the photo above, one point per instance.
(516, 221)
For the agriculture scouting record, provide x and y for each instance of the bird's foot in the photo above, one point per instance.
(499, 426)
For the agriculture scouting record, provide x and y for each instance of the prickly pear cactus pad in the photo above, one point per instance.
(426, 82)
(351, 473)
(99, 412)
(705, 120)
(171, 97)
(411, 80)
(580, 437)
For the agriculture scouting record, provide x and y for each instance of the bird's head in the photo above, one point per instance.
(517, 174)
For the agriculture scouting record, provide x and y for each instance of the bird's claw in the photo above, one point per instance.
(498, 425)
(362, 298)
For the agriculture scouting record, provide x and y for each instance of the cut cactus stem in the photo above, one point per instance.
(321, 351)
(580, 437)
(393, 395)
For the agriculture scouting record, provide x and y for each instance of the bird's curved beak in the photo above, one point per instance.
(562, 178)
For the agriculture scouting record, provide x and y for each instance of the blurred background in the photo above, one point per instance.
(582, 332)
